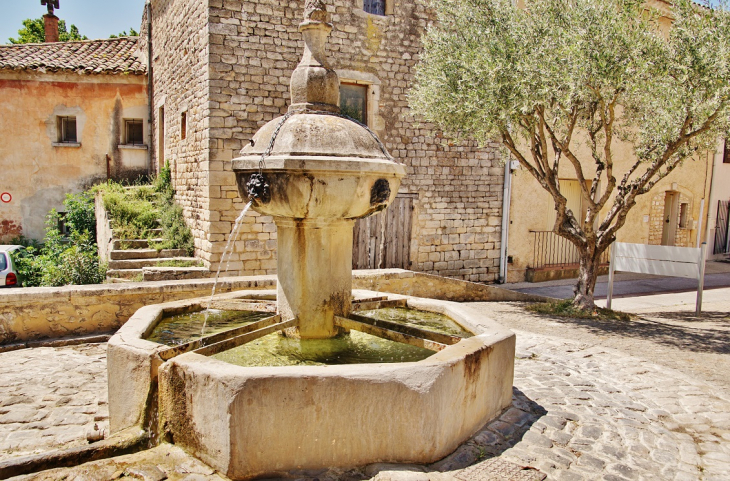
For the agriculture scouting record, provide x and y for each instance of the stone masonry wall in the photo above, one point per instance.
(682, 236)
(255, 45)
(180, 62)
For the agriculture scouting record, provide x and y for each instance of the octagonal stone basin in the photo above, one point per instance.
(250, 422)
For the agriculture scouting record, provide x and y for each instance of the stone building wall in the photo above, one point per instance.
(254, 45)
(682, 237)
(180, 61)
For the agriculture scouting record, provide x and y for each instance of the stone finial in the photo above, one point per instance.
(314, 85)
(315, 11)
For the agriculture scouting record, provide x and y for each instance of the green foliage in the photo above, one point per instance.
(80, 213)
(179, 263)
(33, 31)
(132, 33)
(567, 82)
(175, 232)
(60, 260)
(136, 210)
(163, 182)
(566, 308)
(132, 211)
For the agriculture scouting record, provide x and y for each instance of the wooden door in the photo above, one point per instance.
(669, 232)
(383, 240)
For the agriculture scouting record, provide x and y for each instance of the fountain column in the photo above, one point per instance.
(315, 273)
(315, 171)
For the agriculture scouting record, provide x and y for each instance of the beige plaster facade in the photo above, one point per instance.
(713, 220)
(224, 67)
(37, 169)
(668, 215)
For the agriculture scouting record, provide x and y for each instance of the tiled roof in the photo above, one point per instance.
(108, 56)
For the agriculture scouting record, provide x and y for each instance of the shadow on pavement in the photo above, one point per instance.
(679, 333)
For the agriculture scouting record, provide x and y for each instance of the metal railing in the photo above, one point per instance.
(553, 251)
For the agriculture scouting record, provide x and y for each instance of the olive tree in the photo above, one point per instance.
(565, 82)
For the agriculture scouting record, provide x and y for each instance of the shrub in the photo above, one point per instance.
(60, 260)
(80, 214)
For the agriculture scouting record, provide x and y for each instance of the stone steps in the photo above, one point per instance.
(140, 263)
(156, 232)
(127, 254)
(120, 244)
(121, 275)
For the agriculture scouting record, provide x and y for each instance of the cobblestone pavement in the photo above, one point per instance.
(581, 411)
(50, 397)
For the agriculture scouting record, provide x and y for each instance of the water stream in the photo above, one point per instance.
(229, 250)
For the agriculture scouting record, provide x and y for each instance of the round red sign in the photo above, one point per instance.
(6, 197)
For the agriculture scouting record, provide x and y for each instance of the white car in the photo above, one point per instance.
(8, 273)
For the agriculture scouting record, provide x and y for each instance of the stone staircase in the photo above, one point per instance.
(134, 260)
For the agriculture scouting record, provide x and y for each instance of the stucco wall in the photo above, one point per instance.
(720, 190)
(253, 46)
(531, 205)
(37, 174)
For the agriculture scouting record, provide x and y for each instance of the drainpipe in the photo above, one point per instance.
(150, 97)
(506, 196)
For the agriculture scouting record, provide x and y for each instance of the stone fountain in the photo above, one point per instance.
(316, 172)
(322, 172)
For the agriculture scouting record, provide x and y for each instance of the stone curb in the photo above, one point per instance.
(62, 342)
(126, 442)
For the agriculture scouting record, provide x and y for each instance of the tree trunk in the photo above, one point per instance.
(587, 276)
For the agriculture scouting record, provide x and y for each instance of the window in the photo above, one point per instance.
(354, 101)
(134, 132)
(725, 154)
(161, 138)
(62, 227)
(184, 125)
(376, 7)
(67, 130)
(683, 215)
(3, 262)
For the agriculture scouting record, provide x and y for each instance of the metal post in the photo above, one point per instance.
(699, 228)
(701, 283)
(611, 267)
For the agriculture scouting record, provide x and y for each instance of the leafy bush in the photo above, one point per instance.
(80, 213)
(175, 232)
(135, 211)
(60, 260)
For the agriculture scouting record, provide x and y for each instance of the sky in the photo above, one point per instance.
(94, 18)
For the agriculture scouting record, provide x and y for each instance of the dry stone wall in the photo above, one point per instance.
(254, 45)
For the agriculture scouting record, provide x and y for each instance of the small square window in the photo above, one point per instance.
(376, 7)
(354, 101)
(134, 132)
(67, 130)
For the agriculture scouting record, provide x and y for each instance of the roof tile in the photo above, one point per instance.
(107, 56)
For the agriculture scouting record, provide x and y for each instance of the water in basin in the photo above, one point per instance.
(355, 348)
(426, 320)
(183, 328)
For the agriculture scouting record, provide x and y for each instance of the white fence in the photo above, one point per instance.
(686, 262)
